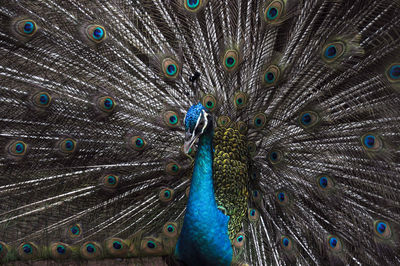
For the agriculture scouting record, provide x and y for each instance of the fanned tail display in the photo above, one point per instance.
(200, 132)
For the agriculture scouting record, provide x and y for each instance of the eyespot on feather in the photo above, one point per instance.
(137, 143)
(371, 142)
(170, 229)
(173, 168)
(209, 102)
(91, 250)
(275, 156)
(239, 240)
(282, 198)
(106, 104)
(4, 248)
(59, 250)
(333, 51)
(286, 243)
(324, 182)
(17, 148)
(96, 33)
(271, 76)
(259, 121)
(308, 119)
(74, 231)
(231, 60)
(67, 146)
(224, 121)
(41, 99)
(274, 11)
(170, 68)
(240, 100)
(151, 246)
(253, 215)
(116, 247)
(382, 229)
(26, 27)
(166, 195)
(334, 244)
(193, 5)
(171, 119)
(28, 250)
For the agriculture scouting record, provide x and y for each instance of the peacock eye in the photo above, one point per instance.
(239, 240)
(138, 143)
(170, 68)
(26, 27)
(173, 168)
(110, 181)
(96, 33)
(193, 5)
(274, 11)
(90, 250)
(252, 148)
(17, 148)
(223, 121)
(209, 102)
(171, 119)
(41, 99)
(308, 119)
(371, 142)
(259, 120)
(231, 60)
(74, 231)
(393, 73)
(334, 244)
(253, 215)
(240, 100)
(106, 104)
(275, 156)
(333, 51)
(67, 146)
(282, 197)
(324, 182)
(271, 75)
(60, 250)
(166, 195)
(382, 229)
(27, 250)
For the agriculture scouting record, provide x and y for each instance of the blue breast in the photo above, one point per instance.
(204, 236)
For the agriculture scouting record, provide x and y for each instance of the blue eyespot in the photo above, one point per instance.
(112, 180)
(170, 228)
(230, 61)
(281, 196)
(171, 69)
(139, 142)
(75, 230)
(151, 244)
(173, 119)
(108, 103)
(117, 245)
(44, 99)
(239, 238)
(333, 242)
(272, 13)
(252, 212)
(193, 3)
(90, 248)
(394, 72)
(269, 77)
(167, 194)
(274, 156)
(306, 119)
(29, 27)
(19, 147)
(369, 141)
(285, 241)
(381, 227)
(69, 145)
(330, 51)
(98, 33)
(323, 182)
(27, 248)
(61, 249)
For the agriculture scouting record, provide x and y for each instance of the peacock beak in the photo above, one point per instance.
(190, 139)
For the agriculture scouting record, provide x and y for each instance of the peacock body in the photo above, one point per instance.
(201, 132)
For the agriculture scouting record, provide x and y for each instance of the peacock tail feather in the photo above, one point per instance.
(302, 168)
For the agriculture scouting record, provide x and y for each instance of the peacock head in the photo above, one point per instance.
(197, 121)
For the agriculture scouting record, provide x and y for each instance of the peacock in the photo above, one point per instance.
(200, 132)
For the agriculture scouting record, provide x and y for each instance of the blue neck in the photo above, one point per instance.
(204, 236)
